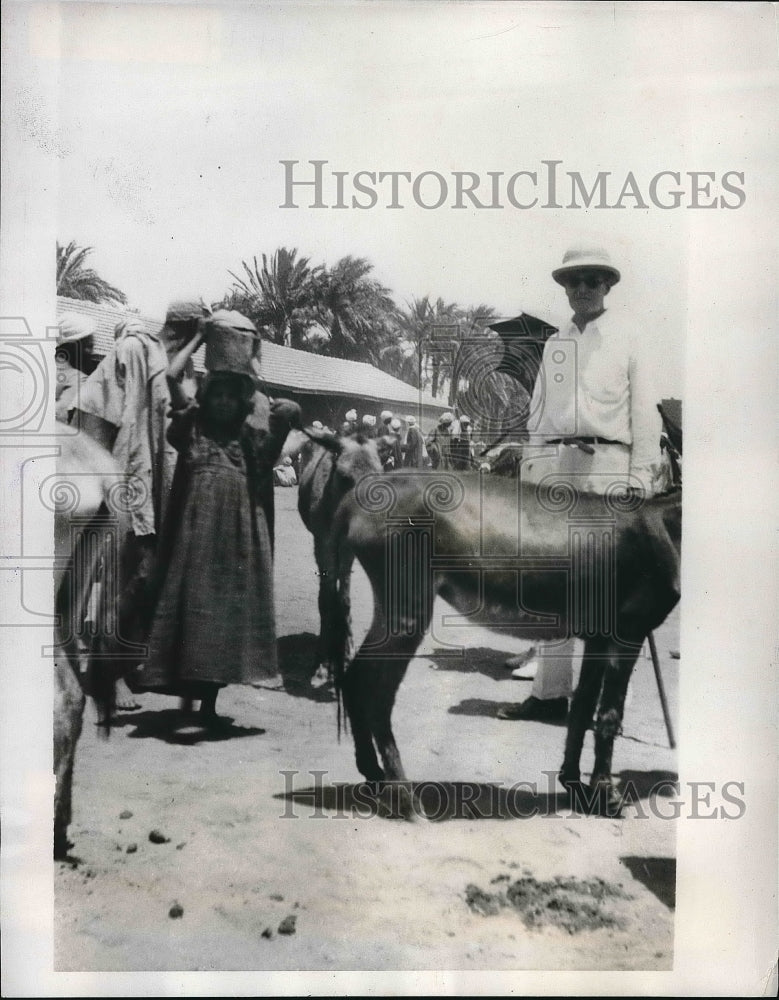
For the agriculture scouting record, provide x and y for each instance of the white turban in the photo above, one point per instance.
(74, 327)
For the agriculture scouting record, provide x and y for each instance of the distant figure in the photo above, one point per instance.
(350, 423)
(439, 442)
(414, 451)
(385, 419)
(462, 445)
(368, 426)
(284, 474)
(394, 459)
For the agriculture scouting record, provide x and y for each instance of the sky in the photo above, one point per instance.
(169, 123)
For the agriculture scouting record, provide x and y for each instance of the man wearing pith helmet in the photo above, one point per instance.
(593, 425)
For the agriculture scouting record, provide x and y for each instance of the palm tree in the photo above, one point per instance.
(435, 329)
(280, 295)
(495, 399)
(473, 346)
(357, 310)
(79, 282)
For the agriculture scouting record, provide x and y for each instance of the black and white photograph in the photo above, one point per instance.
(389, 448)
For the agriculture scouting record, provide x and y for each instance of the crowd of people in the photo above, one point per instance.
(448, 445)
(196, 569)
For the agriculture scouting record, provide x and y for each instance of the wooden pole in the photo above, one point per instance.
(661, 690)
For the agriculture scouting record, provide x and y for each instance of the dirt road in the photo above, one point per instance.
(267, 860)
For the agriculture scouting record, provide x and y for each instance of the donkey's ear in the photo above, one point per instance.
(327, 439)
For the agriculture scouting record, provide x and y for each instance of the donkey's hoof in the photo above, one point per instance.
(609, 802)
(600, 798)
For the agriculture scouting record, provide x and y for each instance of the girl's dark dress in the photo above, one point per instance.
(214, 614)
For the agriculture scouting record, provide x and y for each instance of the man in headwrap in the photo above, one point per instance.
(414, 453)
(125, 404)
(439, 442)
(394, 454)
(350, 423)
(74, 347)
(368, 426)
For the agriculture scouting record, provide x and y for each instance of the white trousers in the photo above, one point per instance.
(594, 473)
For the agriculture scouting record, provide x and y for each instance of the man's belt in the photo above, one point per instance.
(584, 443)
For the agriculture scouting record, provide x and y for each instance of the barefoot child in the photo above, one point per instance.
(214, 618)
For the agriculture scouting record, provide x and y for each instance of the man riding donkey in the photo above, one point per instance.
(593, 426)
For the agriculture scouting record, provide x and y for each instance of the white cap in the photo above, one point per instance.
(351, 415)
(369, 419)
(395, 424)
(318, 425)
(386, 415)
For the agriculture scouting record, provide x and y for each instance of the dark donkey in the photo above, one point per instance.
(329, 467)
(537, 564)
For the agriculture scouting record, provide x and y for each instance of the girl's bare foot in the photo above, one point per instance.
(124, 699)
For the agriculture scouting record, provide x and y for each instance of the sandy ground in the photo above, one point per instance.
(263, 824)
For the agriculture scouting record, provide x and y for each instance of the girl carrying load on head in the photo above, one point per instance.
(213, 622)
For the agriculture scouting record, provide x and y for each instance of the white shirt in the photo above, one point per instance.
(594, 384)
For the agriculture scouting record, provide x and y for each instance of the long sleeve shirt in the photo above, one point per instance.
(595, 383)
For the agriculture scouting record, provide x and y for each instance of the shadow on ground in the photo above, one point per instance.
(489, 709)
(645, 784)
(482, 660)
(297, 655)
(171, 726)
(445, 800)
(657, 874)
(436, 801)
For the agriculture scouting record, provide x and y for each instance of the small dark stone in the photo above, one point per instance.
(287, 925)
(125, 814)
(158, 838)
(132, 848)
(176, 911)
(277, 897)
(267, 933)
(179, 846)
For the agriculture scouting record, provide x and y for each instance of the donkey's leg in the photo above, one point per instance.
(357, 696)
(372, 682)
(583, 704)
(68, 714)
(619, 667)
(324, 555)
